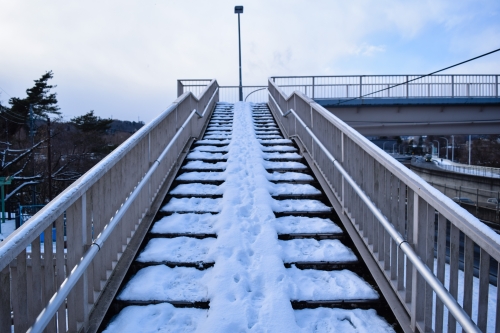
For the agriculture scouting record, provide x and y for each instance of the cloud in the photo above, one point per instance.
(123, 58)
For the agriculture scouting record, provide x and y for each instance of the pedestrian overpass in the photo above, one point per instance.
(394, 104)
(434, 263)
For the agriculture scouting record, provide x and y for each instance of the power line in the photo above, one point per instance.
(5, 92)
(400, 84)
(7, 112)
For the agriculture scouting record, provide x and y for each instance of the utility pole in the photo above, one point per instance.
(32, 135)
(452, 148)
(49, 159)
(469, 148)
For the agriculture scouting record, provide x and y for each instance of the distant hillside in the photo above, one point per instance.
(125, 126)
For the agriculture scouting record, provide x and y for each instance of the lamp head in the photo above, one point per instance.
(238, 9)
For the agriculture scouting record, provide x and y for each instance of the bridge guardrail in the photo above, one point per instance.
(230, 94)
(396, 215)
(60, 282)
(353, 86)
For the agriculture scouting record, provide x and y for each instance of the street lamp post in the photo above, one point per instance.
(239, 10)
(438, 147)
(393, 147)
(383, 145)
(446, 146)
(452, 148)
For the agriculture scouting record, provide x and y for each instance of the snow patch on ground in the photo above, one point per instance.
(185, 223)
(200, 165)
(197, 188)
(323, 320)
(158, 318)
(301, 205)
(310, 284)
(296, 189)
(192, 205)
(162, 283)
(331, 250)
(178, 249)
(302, 224)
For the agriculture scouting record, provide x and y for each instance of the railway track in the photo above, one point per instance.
(246, 240)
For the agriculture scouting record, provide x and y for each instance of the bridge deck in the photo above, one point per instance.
(245, 240)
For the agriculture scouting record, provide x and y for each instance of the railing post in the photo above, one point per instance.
(360, 86)
(414, 290)
(343, 180)
(407, 86)
(86, 245)
(452, 86)
(496, 86)
(313, 87)
(180, 88)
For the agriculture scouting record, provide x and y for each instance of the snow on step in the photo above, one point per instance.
(275, 141)
(323, 320)
(202, 176)
(293, 189)
(201, 155)
(197, 188)
(284, 165)
(163, 317)
(315, 285)
(331, 250)
(305, 225)
(162, 283)
(223, 149)
(219, 128)
(178, 249)
(192, 205)
(248, 288)
(224, 141)
(189, 223)
(269, 137)
(262, 132)
(289, 176)
(278, 148)
(201, 165)
(290, 156)
(219, 136)
(299, 205)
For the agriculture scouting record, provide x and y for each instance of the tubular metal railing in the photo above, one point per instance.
(53, 286)
(353, 86)
(229, 94)
(402, 221)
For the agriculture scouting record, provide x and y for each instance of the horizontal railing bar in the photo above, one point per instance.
(453, 306)
(243, 86)
(384, 84)
(195, 80)
(384, 75)
(59, 297)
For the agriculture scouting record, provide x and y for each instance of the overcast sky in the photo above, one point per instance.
(122, 58)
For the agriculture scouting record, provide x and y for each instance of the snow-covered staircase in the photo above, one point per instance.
(247, 241)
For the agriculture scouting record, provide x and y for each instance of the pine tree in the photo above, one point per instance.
(43, 102)
(91, 123)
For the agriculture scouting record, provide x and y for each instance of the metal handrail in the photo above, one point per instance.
(75, 209)
(347, 138)
(59, 297)
(453, 306)
(22, 237)
(437, 85)
(253, 92)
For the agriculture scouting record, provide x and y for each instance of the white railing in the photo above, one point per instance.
(379, 86)
(53, 286)
(229, 94)
(406, 224)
